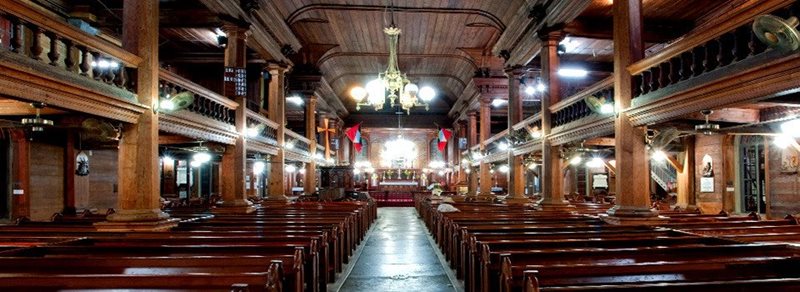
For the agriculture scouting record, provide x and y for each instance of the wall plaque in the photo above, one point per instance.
(707, 184)
(235, 81)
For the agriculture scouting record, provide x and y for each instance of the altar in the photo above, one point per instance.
(399, 180)
(398, 186)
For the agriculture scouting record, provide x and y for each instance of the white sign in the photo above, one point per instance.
(19, 192)
(707, 184)
(599, 181)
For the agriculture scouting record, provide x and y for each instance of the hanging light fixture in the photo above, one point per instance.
(401, 91)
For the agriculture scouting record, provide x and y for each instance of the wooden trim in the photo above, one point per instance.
(196, 88)
(578, 97)
(736, 18)
(297, 136)
(261, 146)
(496, 137)
(64, 30)
(262, 119)
(193, 125)
(530, 120)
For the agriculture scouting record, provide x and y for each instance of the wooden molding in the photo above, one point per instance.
(193, 125)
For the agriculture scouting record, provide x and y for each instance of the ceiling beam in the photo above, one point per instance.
(730, 115)
(654, 31)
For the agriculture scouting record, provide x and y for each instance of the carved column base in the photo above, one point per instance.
(137, 220)
(274, 198)
(633, 216)
(517, 201)
(239, 206)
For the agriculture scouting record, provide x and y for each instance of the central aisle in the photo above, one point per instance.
(398, 256)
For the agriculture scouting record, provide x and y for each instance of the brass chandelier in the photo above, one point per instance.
(401, 91)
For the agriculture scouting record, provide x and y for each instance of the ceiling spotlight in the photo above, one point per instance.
(659, 156)
(783, 141)
(791, 128)
(498, 102)
(295, 100)
(572, 72)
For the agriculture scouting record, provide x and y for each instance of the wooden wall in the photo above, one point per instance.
(98, 190)
(784, 187)
(46, 179)
(710, 202)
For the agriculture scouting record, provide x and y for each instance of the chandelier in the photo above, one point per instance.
(401, 91)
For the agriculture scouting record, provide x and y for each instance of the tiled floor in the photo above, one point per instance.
(398, 257)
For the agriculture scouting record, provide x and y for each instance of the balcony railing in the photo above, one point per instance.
(35, 36)
(300, 143)
(206, 102)
(269, 133)
(575, 108)
(699, 57)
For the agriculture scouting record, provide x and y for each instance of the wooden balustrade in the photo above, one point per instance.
(36, 36)
(206, 102)
(270, 130)
(575, 108)
(703, 51)
(301, 144)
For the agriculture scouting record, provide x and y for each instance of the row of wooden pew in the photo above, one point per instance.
(279, 247)
(497, 247)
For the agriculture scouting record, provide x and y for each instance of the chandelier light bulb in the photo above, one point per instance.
(411, 88)
(467, 170)
(358, 93)
(427, 93)
(540, 86)
(376, 92)
(576, 160)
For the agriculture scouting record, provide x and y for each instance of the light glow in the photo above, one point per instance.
(783, 141)
(358, 93)
(295, 100)
(791, 128)
(529, 90)
(290, 168)
(503, 168)
(202, 157)
(167, 160)
(572, 72)
(498, 102)
(252, 132)
(576, 160)
(195, 163)
(503, 146)
(596, 162)
(427, 93)
(258, 167)
(607, 108)
(659, 156)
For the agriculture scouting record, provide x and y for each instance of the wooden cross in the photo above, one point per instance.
(328, 132)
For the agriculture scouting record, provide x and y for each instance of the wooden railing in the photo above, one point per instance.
(719, 46)
(534, 121)
(37, 36)
(206, 102)
(270, 131)
(575, 108)
(301, 144)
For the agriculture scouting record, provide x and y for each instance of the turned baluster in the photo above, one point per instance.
(97, 73)
(652, 80)
(86, 63)
(69, 58)
(685, 71)
(663, 74)
(16, 35)
(36, 45)
(122, 77)
(109, 75)
(643, 88)
(54, 55)
(739, 45)
(674, 68)
(697, 61)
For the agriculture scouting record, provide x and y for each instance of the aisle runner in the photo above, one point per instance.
(398, 257)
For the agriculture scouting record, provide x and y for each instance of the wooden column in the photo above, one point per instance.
(69, 174)
(485, 132)
(461, 132)
(633, 164)
(277, 113)
(686, 179)
(20, 175)
(552, 172)
(472, 140)
(139, 184)
(234, 160)
(516, 172)
(310, 181)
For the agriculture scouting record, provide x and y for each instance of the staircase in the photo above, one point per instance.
(663, 174)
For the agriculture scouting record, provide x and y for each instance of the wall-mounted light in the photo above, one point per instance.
(607, 108)
(659, 156)
(290, 168)
(503, 146)
(295, 100)
(499, 102)
(596, 162)
(289, 145)
(783, 141)
(503, 168)
(575, 160)
(167, 160)
(791, 128)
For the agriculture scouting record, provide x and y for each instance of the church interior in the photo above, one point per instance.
(399, 145)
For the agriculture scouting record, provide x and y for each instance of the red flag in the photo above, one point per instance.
(444, 136)
(354, 134)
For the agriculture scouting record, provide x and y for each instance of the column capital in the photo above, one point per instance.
(236, 30)
(485, 101)
(472, 114)
(552, 35)
(514, 72)
(278, 68)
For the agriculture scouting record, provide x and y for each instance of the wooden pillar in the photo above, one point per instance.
(310, 181)
(472, 140)
(461, 132)
(69, 174)
(277, 113)
(20, 176)
(485, 132)
(686, 181)
(552, 172)
(139, 184)
(633, 163)
(234, 160)
(516, 172)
